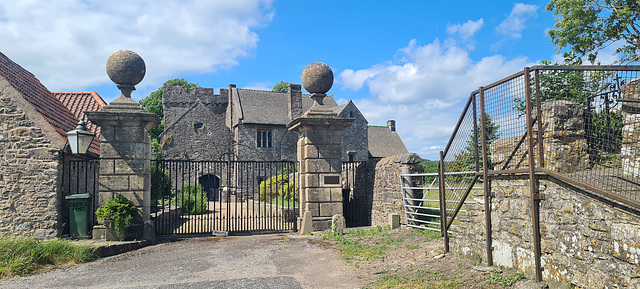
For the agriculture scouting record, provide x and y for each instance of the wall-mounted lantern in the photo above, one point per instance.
(154, 154)
(80, 139)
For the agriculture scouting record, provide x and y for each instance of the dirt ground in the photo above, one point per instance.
(414, 260)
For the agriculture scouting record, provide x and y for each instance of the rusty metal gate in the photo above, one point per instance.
(199, 197)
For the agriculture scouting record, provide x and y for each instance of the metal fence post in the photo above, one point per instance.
(443, 204)
(533, 188)
(485, 179)
(539, 122)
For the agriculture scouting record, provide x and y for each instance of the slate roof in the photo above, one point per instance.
(78, 103)
(268, 107)
(34, 92)
(385, 143)
(339, 108)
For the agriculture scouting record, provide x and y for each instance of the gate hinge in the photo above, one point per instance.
(539, 197)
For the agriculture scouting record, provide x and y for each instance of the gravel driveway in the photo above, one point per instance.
(260, 261)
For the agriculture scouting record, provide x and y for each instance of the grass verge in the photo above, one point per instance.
(20, 256)
(358, 245)
(411, 258)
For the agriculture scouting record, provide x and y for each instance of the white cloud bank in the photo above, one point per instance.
(513, 25)
(66, 43)
(426, 91)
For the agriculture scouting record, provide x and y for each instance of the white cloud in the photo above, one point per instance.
(513, 25)
(66, 43)
(356, 79)
(426, 91)
(467, 29)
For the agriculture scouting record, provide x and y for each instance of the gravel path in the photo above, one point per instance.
(261, 261)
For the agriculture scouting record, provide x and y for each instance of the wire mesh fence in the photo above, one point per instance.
(584, 123)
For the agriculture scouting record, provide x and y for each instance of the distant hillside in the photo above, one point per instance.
(429, 166)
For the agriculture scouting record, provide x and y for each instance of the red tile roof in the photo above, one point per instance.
(78, 103)
(53, 111)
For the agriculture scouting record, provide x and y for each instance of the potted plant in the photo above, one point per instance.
(118, 215)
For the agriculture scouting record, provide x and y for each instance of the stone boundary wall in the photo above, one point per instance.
(30, 170)
(587, 241)
(387, 197)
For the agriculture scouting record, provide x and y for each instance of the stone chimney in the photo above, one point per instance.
(391, 124)
(295, 101)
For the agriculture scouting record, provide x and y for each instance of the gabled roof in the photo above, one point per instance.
(268, 107)
(78, 103)
(341, 108)
(385, 143)
(36, 94)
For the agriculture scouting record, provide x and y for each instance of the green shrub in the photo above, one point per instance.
(120, 212)
(270, 188)
(289, 191)
(192, 200)
(160, 183)
(280, 187)
(23, 255)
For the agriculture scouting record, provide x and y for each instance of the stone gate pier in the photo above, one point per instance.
(125, 149)
(319, 150)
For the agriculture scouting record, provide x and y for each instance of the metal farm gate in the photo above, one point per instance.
(199, 197)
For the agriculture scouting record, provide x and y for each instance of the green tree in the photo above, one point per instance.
(569, 85)
(153, 104)
(588, 26)
(283, 86)
(465, 160)
(603, 125)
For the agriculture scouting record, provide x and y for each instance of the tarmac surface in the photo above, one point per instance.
(259, 261)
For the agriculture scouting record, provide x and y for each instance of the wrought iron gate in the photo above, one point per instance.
(80, 177)
(357, 193)
(198, 197)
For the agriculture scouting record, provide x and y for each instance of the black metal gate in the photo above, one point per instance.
(198, 197)
(80, 177)
(357, 193)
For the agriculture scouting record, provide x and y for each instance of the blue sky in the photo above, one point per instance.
(412, 61)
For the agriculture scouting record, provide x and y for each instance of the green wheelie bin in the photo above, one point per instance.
(79, 214)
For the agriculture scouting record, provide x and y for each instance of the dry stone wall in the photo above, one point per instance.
(586, 241)
(387, 196)
(29, 175)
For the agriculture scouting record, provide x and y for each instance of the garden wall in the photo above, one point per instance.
(587, 241)
(387, 196)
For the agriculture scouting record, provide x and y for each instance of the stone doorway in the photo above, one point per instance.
(211, 185)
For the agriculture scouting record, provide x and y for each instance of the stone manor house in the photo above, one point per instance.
(236, 124)
(250, 125)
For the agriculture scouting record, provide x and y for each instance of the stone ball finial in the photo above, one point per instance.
(317, 78)
(126, 68)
